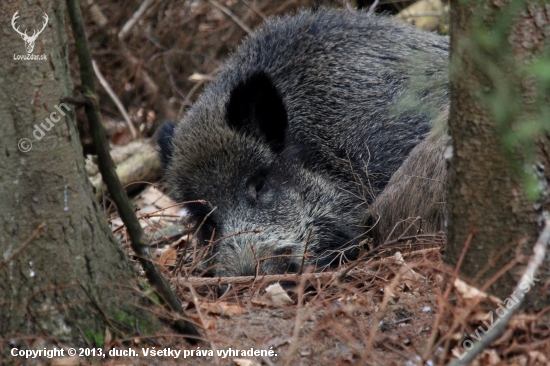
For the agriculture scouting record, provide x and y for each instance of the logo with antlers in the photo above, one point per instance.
(29, 40)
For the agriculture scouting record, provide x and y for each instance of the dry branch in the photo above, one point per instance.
(115, 99)
(239, 280)
(373, 7)
(142, 166)
(97, 15)
(130, 23)
(233, 17)
(122, 153)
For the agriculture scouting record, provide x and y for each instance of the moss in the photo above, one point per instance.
(143, 324)
(149, 292)
(155, 298)
(125, 318)
(97, 339)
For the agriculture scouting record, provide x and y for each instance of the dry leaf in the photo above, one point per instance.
(399, 258)
(197, 320)
(425, 14)
(154, 197)
(65, 361)
(109, 342)
(467, 291)
(276, 342)
(196, 77)
(261, 302)
(488, 357)
(277, 295)
(209, 324)
(166, 257)
(245, 362)
(121, 137)
(222, 308)
(411, 278)
(538, 356)
(230, 310)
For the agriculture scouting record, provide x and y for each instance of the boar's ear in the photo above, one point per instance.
(256, 107)
(164, 140)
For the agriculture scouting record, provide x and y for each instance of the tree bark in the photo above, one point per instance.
(72, 280)
(486, 191)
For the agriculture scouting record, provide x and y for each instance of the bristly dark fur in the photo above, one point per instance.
(164, 141)
(298, 135)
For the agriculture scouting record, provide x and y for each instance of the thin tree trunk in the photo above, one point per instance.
(486, 193)
(72, 280)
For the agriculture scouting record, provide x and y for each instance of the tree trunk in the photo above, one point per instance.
(72, 280)
(486, 192)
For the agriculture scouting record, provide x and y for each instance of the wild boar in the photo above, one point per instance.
(298, 135)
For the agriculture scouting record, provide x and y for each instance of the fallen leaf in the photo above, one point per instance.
(222, 308)
(261, 302)
(536, 355)
(230, 310)
(411, 278)
(65, 361)
(209, 324)
(245, 362)
(166, 257)
(278, 295)
(467, 291)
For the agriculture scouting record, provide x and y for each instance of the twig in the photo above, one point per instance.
(130, 23)
(179, 264)
(412, 249)
(418, 218)
(213, 281)
(254, 9)
(424, 14)
(397, 225)
(199, 80)
(379, 315)
(407, 238)
(287, 277)
(115, 99)
(373, 7)
(348, 5)
(80, 101)
(465, 311)
(108, 172)
(539, 253)
(294, 344)
(150, 85)
(192, 91)
(267, 361)
(439, 316)
(305, 251)
(174, 84)
(24, 245)
(97, 14)
(203, 321)
(230, 14)
(380, 250)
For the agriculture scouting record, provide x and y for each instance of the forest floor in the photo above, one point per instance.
(396, 306)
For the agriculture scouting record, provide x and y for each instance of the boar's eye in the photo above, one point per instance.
(257, 188)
